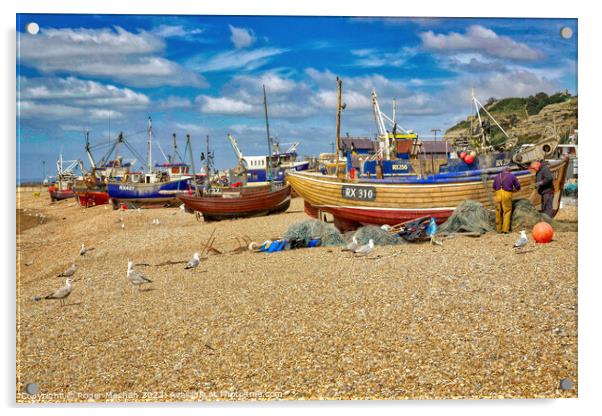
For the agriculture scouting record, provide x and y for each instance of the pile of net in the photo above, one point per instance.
(310, 229)
(469, 217)
(380, 236)
(525, 215)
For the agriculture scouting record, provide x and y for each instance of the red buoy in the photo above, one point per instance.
(469, 159)
(543, 232)
(462, 155)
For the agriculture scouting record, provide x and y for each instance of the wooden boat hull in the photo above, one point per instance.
(251, 203)
(362, 202)
(92, 198)
(148, 194)
(60, 194)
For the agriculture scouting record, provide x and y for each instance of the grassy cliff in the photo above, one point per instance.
(525, 118)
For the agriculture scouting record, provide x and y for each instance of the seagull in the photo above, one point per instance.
(62, 293)
(156, 221)
(122, 226)
(69, 272)
(365, 249)
(193, 262)
(354, 245)
(136, 278)
(522, 240)
(82, 250)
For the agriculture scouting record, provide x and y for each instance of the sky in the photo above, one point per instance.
(203, 75)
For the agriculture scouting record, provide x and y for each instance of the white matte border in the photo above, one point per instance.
(590, 34)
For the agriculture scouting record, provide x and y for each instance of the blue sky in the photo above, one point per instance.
(203, 75)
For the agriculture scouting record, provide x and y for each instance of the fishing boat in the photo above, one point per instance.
(250, 201)
(91, 189)
(219, 203)
(355, 202)
(62, 188)
(158, 186)
(389, 189)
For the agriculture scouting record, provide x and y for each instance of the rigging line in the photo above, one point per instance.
(134, 152)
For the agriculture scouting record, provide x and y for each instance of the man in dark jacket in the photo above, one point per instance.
(504, 184)
(544, 181)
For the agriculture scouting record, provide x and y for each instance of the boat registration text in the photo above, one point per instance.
(359, 193)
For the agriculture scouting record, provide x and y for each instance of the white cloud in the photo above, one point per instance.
(233, 60)
(224, 105)
(175, 102)
(372, 58)
(190, 128)
(274, 83)
(116, 54)
(69, 97)
(481, 40)
(178, 31)
(241, 37)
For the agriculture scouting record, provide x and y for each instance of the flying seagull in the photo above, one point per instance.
(354, 245)
(82, 250)
(62, 293)
(136, 278)
(69, 272)
(522, 240)
(365, 249)
(193, 262)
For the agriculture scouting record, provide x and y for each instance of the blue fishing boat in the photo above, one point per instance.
(158, 187)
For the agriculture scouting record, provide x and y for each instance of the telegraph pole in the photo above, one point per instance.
(432, 153)
(340, 85)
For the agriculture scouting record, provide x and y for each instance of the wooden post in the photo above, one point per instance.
(340, 83)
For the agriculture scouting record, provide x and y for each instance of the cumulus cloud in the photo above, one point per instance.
(479, 39)
(224, 105)
(129, 58)
(241, 37)
(69, 97)
(172, 102)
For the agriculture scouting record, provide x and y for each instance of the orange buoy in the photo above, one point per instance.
(543, 232)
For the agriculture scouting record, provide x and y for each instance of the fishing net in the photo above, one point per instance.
(525, 215)
(469, 217)
(380, 236)
(310, 229)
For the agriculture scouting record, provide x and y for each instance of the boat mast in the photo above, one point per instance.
(267, 126)
(175, 150)
(150, 144)
(88, 151)
(340, 85)
(189, 144)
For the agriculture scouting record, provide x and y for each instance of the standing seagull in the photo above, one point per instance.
(62, 293)
(136, 278)
(69, 272)
(522, 240)
(193, 262)
(365, 249)
(82, 250)
(354, 245)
